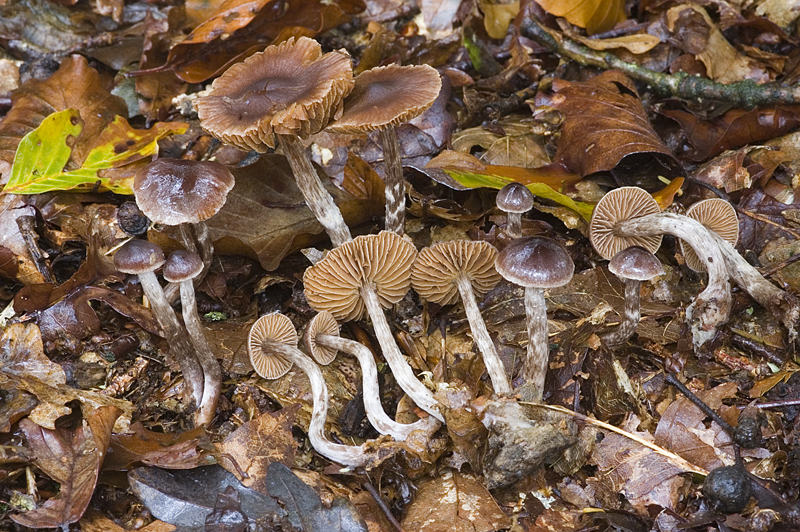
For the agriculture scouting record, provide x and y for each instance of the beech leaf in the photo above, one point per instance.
(595, 15)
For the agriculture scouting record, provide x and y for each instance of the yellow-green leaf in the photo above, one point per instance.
(40, 159)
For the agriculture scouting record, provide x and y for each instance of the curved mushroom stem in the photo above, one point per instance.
(514, 224)
(175, 336)
(348, 455)
(534, 370)
(372, 400)
(494, 366)
(400, 369)
(395, 186)
(212, 374)
(627, 326)
(317, 198)
(711, 306)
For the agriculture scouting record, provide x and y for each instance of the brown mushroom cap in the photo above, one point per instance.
(436, 268)
(322, 323)
(535, 262)
(275, 327)
(181, 266)
(635, 263)
(383, 260)
(175, 191)
(388, 95)
(719, 216)
(620, 204)
(515, 197)
(288, 89)
(138, 256)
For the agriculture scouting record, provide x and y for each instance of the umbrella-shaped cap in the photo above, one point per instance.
(138, 256)
(175, 191)
(290, 89)
(719, 216)
(322, 323)
(635, 263)
(434, 273)
(535, 262)
(621, 204)
(388, 95)
(276, 328)
(383, 261)
(515, 197)
(181, 266)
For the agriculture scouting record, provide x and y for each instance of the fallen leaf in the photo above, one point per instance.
(497, 16)
(639, 43)
(71, 458)
(169, 451)
(22, 354)
(595, 15)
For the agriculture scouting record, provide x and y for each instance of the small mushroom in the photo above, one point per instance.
(629, 216)
(536, 264)
(633, 265)
(274, 336)
(182, 267)
(514, 199)
(446, 270)
(322, 341)
(383, 98)
(718, 216)
(290, 90)
(364, 276)
(142, 258)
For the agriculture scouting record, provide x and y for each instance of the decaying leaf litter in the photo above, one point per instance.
(688, 423)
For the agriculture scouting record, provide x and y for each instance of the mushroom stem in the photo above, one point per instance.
(534, 369)
(711, 306)
(317, 198)
(372, 400)
(400, 368)
(175, 336)
(627, 326)
(212, 375)
(348, 455)
(494, 366)
(196, 238)
(395, 186)
(514, 224)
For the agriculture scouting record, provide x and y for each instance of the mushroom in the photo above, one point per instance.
(536, 264)
(142, 258)
(184, 194)
(514, 199)
(182, 267)
(632, 265)
(364, 276)
(629, 216)
(446, 270)
(274, 337)
(290, 90)
(718, 216)
(322, 341)
(383, 98)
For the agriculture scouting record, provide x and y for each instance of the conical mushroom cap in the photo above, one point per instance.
(719, 216)
(275, 327)
(620, 204)
(382, 261)
(388, 95)
(288, 89)
(434, 273)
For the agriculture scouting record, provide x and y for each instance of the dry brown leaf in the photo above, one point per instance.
(94, 521)
(22, 354)
(168, 451)
(71, 458)
(595, 15)
(638, 44)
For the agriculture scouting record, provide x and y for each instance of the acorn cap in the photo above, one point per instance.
(275, 327)
(719, 216)
(138, 256)
(436, 268)
(620, 204)
(322, 323)
(388, 95)
(515, 198)
(181, 266)
(383, 260)
(290, 89)
(175, 191)
(635, 263)
(535, 262)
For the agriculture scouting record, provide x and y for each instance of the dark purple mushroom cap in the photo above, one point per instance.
(535, 262)
(138, 256)
(175, 191)
(515, 197)
(181, 266)
(635, 263)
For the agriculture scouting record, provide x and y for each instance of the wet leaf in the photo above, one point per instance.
(454, 501)
(71, 458)
(638, 44)
(22, 354)
(595, 15)
(41, 158)
(168, 451)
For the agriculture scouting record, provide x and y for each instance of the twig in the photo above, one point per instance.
(707, 410)
(382, 505)
(745, 94)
